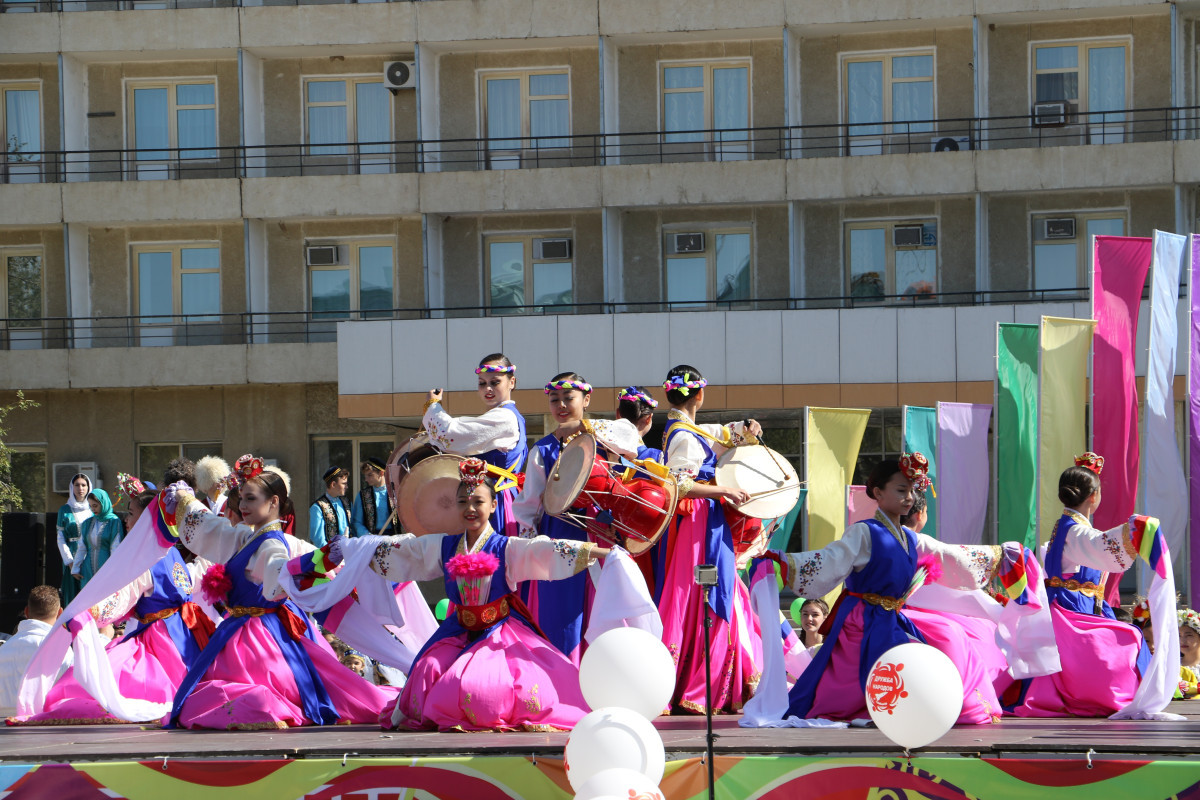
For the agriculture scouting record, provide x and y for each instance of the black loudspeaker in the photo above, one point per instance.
(23, 556)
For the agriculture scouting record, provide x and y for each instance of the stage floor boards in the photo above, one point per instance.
(683, 737)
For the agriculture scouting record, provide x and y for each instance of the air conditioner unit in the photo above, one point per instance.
(1060, 228)
(552, 249)
(400, 74)
(685, 243)
(64, 471)
(1047, 115)
(949, 144)
(323, 256)
(907, 235)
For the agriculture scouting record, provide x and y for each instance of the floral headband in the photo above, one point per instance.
(471, 472)
(1189, 618)
(482, 368)
(1090, 460)
(916, 468)
(129, 485)
(634, 393)
(247, 467)
(582, 386)
(684, 383)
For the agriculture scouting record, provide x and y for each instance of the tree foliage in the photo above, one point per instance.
(10, 495)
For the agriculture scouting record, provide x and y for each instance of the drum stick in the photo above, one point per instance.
(766, 492)
(771, 453)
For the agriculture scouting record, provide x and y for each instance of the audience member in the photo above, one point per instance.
(41, 610)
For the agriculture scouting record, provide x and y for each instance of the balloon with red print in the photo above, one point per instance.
(914, 694)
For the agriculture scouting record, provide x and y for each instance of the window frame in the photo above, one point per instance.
(889, 224)
(171, 84)
(716, 144)
(354, 245)
(1084, 43)
(710, 231)
(38, 160)
(357, 440)
(211, 448)
(1081, 240)
(7, 252)
(351, 143)
(176, 250)
(526, 238)
(482, 76)
(858, 144)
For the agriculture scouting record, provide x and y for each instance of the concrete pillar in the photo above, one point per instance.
(983, 269)
(610, 105)
(258, 296)
(614, 285)
(435, 278)
(429, 122)
(79, 288)
(254, 126)
(73, 102)
(796, 250)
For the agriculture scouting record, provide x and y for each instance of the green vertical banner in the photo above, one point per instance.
(1017, 349)
(920, 436)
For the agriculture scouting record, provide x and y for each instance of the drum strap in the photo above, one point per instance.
(680, 422)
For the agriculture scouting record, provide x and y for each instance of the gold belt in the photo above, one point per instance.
(248, 611)
(888, 603)
(1087, 587)
(157, 615)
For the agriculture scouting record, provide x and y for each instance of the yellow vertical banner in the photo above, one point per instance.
(1062, 408)
(831, 443)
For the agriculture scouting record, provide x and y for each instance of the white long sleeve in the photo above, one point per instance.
(80, 551)
(497, 429)
(685, 454)
(409, 558)
(527, 506)
(544, 559)
(117, 605)
(64, 552)
(1108, 551)
(966, 567)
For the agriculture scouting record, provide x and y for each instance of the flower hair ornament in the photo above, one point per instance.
(567, 383)
(1090, 460)
(684, 383)
(1189, 618)
(916, 468)
(247, 467)
(633, 393)
(471, 472)
(129, 485)
(500, 368)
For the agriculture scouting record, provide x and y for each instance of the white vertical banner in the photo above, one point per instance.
(1163, 479)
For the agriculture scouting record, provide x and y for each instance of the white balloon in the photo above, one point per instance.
(621, 783)
(630, 668)
(613, 737)
(914, 694)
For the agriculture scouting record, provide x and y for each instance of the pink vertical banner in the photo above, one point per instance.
(964, 471)
(858, 505)
(1194, 419)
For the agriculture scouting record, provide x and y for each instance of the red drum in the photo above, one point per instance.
(630, 510)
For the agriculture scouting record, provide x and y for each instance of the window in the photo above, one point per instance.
(21, 296)
(1060, 246)
(349, 116)
(1090, 76)
(895, 257)
(702, 97)
(22, 132)
(708, 265)
(154, 457)
(886, 93)
(366, 266)
(882, 439)
(529, 270)
(525, 111)
(169, 121)
(347, 453)
(28, 474)
(173, 281)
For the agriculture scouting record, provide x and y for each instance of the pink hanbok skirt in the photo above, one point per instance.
(250, 686)
(1099, 668)
(965, 640)
(512, 679)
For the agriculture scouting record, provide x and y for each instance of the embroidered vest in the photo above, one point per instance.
(332, 528)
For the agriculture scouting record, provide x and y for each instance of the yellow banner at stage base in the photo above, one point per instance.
(1066, 346)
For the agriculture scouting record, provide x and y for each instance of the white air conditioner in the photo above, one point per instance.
(1046, 115)
(400, 74)
(949, 144)
(552, 249)
(1059, 228)
(64, 471)
(685, 243)
(323, 256)
(907, 235)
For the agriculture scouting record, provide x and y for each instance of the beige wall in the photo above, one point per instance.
(50, 240)
(463, 256)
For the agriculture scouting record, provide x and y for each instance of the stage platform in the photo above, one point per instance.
(1017, 758)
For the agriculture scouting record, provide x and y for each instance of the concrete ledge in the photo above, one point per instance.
(467, 20)
(30, 203)
(694, 183)
(148, 201)
(24, 35)
(907, 175)
(127, 34)
(378, 27)
(511, 190)
(1077, 167)
(631, 17)
(330, 196)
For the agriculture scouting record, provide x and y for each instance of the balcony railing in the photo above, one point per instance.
(650, 147)
(283, 327)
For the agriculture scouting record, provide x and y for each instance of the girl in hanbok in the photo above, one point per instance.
(149, 662)
(700, 534)
(561, 608)
(1103, 659)
(98, 537)
(1189, 654)
(635, 404)
(487, 667)
(878, 560)
(497, 437)
(266, 666)
(70, 517)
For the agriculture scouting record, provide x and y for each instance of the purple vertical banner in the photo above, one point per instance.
(1194, 420)
(965, 471)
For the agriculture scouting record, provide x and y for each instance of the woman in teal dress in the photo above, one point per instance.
(98, 537)
(70, 517)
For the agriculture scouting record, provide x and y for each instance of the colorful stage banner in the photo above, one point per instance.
(831, 442)
(1016, 432)
(919, 432)
(1119, 267)
(1164, 482)
(1194, 417)
(1062, 409)
(963, 461)
(858, 505)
